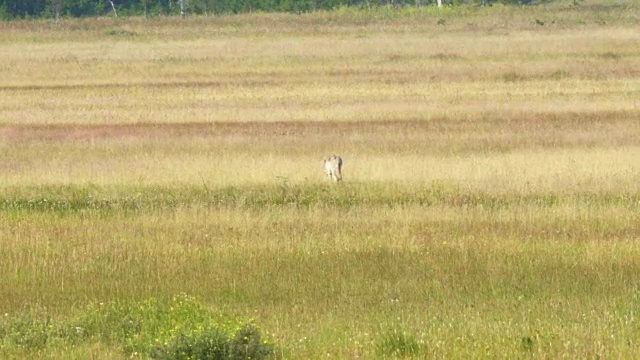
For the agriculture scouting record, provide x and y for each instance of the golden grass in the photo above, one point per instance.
(490, 202)
(324, 280)
(351, 75)
(494, 155)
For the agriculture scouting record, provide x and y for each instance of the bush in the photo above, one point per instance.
(214, 343)
(177, 328)
(180, 328)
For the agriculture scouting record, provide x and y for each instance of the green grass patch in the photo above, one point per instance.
(105, 201)
(397, 342)
(176, 328)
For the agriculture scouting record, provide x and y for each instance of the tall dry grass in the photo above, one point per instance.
(490, 202)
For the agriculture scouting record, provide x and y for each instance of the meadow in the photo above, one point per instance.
(490, 206)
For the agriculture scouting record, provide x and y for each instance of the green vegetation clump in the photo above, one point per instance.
(397, 342)
(104, 201)
(213, 343)
(177, 328)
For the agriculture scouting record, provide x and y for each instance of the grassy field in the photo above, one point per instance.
(490, 206)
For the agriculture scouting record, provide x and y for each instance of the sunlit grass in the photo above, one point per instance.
(490, 203)
(315, 265)
(491, 163)
(356, 73)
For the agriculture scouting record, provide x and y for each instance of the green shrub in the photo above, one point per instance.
(177, 328)
(213, 343)
(247, 343)
(209, 343)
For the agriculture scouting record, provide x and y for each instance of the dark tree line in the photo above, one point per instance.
(16, 9)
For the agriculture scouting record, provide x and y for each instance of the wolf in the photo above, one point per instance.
(333, 167)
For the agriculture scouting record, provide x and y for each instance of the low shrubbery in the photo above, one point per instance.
(179, 328)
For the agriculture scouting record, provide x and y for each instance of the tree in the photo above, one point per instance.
(23, 8)
(144, 6)
(113, 6)
(56, 8)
